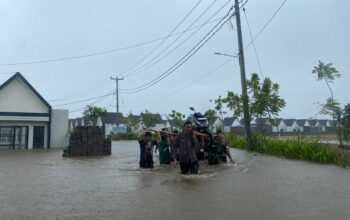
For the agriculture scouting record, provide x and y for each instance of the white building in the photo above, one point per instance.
(27, 120)
(292, 125)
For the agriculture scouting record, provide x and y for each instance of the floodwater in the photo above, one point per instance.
(41, 184)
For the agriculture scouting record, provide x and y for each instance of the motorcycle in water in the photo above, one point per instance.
(200, 124)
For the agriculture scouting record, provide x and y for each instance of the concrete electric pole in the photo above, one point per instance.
(243, 78)
(117, 97)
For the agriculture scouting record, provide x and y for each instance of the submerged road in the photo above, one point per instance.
(41, 184)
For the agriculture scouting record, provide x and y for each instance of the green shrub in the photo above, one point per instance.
(298, 149)
(123, 136)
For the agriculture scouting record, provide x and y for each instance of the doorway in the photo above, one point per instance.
(38, 137)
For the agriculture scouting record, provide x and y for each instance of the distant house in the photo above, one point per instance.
(301, 124)
(262, 125)
(159, 122)
(279, 126)
(27, 120)
(327, 125)
(110, 121)
(312, 126)
(292, 125)
(217, 124)
(228, 122)
(237, 127)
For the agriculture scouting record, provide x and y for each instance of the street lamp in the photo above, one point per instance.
(227, 55)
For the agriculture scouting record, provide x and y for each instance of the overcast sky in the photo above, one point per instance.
(301, 33)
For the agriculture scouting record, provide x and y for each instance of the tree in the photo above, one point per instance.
(343, 131)
(91, 114)
(130, 121)
(328, 73)
(177, 119)
(210, 114)
(149, 119)
(264, 100)
(218, 107)
(331, 107)
(346, 116)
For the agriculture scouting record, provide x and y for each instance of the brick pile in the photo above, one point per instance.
(88, 141)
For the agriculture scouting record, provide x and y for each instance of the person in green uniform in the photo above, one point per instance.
(219, 150)
(164, 147)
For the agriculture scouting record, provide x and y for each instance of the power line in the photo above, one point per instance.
(267, 23)
(141, 69)
(102, 52)
(172, 43)
(184, 58)
(186, 86)
(251, 36)
(166, 38)
(85, 92)
(84, 100)
(181, 33)
(92, 103)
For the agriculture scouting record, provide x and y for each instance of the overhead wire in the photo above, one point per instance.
(204, 41)
(84, 100)
(102, 52)
(92, 103)
(266, 24)
(166, 38)
(87, 91)
(251, 36)
(141, 69)
(186, 86)
(200, 44)
(187, 56)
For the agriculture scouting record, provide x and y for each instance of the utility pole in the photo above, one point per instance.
(117, 95)
(243, 78)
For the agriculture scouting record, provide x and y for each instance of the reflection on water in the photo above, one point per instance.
(40, 184)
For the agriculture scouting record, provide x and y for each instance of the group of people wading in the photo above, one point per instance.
(185, 148)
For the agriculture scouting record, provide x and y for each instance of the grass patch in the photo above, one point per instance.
(298, 149)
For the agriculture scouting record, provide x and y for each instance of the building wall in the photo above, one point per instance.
(293, 128)
(227, 128)
(59, 128)
(17, 97)
(24, 118)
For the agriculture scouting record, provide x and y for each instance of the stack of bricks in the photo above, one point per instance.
(88, 141)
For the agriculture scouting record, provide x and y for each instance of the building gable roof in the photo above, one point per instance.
(289, 122)
(19, 76)
(312, 122)
(111, 118)
(301, 122)
(323, 122)
(228, 121)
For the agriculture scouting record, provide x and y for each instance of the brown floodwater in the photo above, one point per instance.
(41, 184)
